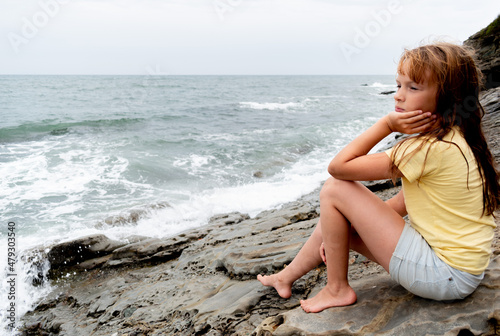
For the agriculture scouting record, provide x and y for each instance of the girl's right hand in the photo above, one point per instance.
(410, 122)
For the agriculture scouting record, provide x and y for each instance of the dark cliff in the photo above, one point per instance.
(486, 42)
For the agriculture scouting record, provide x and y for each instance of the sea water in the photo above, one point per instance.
(80, 155)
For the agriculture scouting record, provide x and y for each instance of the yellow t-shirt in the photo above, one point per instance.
(442, 205)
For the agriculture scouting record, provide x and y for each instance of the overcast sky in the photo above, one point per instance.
(178, 37)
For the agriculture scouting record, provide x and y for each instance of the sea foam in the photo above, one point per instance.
(269, 106)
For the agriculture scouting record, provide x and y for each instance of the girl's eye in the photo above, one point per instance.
(398, 86)
(413, 88)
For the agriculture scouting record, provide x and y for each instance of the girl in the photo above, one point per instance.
(450, 190)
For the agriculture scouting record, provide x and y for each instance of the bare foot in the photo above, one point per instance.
(283, 288)
(326, 298)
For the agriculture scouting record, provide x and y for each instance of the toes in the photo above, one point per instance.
(304, 306)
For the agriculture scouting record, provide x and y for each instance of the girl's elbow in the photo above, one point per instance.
(333, 170)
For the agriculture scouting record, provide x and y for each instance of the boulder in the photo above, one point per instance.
(486, 42)
(73, 252)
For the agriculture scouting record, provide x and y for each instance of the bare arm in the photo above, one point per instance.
(354, 163)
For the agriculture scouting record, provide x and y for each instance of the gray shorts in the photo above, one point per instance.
(416, 267)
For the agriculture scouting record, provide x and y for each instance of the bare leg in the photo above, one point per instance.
(357, 244)
(307, 259)
(346, 203)
(336, 239)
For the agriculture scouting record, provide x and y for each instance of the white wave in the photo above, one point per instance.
(265, 131)
(52, 182)
(193, 160)
(217, 137)
(194, 163)
(381, 85)
(270, 106)
(249, 199)
(58, 187)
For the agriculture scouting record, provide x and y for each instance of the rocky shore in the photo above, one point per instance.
(487, 44)
(203, 281)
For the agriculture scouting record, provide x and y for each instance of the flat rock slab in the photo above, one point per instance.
(385, 308)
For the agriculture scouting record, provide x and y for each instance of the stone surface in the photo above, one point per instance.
(68, 254)
(385, 308)
(210, 289)
(486, 42)
(491, 123)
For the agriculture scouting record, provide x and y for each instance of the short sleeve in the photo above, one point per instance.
(416, 158)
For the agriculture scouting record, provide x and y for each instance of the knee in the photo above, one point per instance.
(333, 188)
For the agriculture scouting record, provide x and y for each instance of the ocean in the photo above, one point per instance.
(156, 155)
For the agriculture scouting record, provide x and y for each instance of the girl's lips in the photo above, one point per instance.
(398, 109)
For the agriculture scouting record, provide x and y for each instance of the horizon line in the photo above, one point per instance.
(173, 75)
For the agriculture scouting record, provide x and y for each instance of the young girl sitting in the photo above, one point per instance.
(450, 190)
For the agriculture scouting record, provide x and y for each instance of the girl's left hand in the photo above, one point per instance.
(410, 122)
(322, 252)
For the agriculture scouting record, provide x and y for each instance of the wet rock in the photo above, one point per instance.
(71, 253)
(151, 250)
(258, 174)
(132, 216)
(228, 219)
(59, 131)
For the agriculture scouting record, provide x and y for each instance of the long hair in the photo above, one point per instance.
(459, 80)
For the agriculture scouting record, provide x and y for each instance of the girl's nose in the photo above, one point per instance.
(398, 96)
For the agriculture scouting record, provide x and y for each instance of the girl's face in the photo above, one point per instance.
(413, 96)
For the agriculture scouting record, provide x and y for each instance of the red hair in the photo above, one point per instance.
(459, 80)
